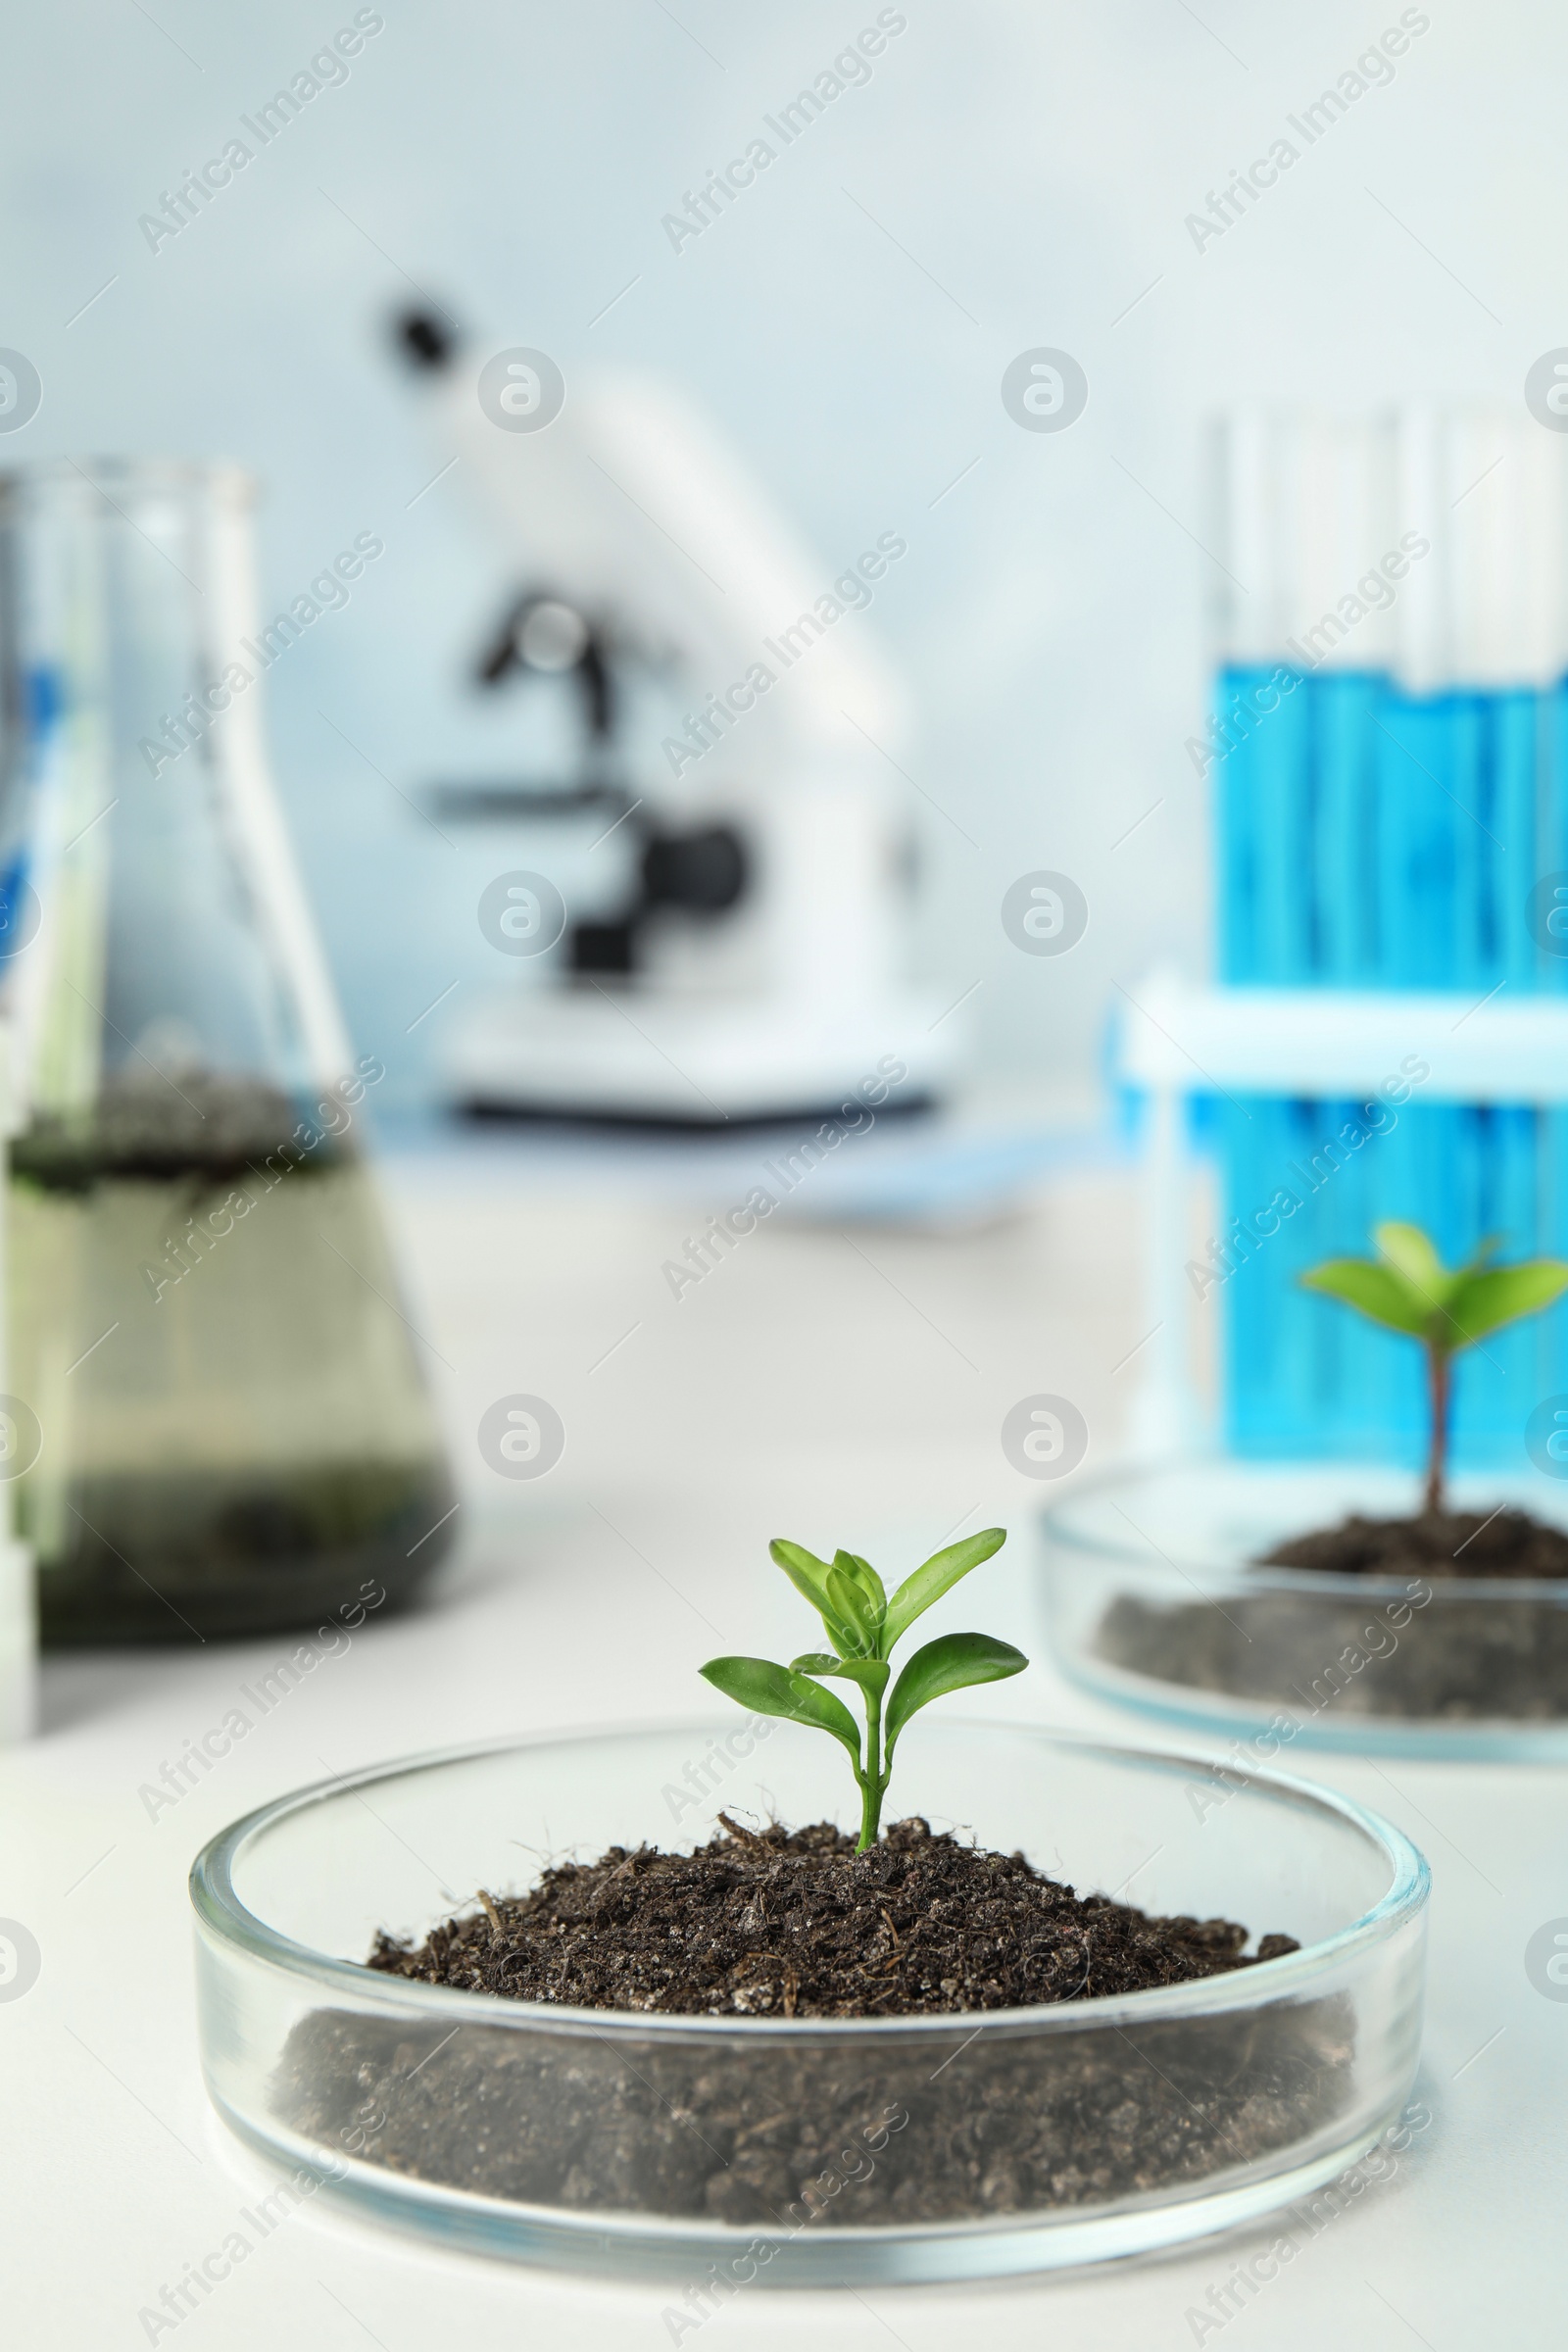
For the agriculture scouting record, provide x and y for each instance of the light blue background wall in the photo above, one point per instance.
(1031, 168)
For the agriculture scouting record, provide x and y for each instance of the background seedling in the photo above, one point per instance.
(1407, 1288)
(863, 1624)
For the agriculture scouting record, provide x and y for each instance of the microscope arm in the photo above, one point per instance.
(628, 505)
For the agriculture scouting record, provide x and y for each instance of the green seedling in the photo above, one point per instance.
(1407, 1288)
(862, 1624)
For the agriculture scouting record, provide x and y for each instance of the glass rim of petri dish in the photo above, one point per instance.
(222, 1913)
(1064, 1525)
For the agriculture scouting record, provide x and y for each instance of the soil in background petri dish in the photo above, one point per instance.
(1469, 1661)
(235, 1430)
(1474, 1658)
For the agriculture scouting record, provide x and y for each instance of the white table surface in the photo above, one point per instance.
(845, 1389)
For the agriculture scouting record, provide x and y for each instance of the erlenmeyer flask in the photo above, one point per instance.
(232, 1428)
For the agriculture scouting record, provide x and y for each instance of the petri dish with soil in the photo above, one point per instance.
(1310, 1606)
(727, 2119)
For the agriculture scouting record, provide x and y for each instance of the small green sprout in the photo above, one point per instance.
(1407, 1288)
(862, 1625)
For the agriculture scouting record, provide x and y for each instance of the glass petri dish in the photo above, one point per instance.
(1152, 1599)
(727, 2150)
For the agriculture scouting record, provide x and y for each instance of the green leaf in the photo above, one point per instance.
(769, 1690)
(808, 1575)
(1484, 1301)
(853, 1611)
(870, 1673)
(950, 1663)
(861, 1573)
(933, 1577)
(1409, 1251)
(806, 1572)
(1379, 1293)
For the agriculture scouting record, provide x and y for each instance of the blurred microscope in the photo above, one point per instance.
(738, 747)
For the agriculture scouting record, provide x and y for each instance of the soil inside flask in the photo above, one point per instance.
(240, 1435)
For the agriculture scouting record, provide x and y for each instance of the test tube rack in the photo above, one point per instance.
(1292, 1070)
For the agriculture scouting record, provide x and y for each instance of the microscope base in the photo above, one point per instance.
(619, 1055)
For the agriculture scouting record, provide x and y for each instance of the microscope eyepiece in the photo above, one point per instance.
(425, 340)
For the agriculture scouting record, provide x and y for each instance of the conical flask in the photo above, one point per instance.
(230, 1428)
